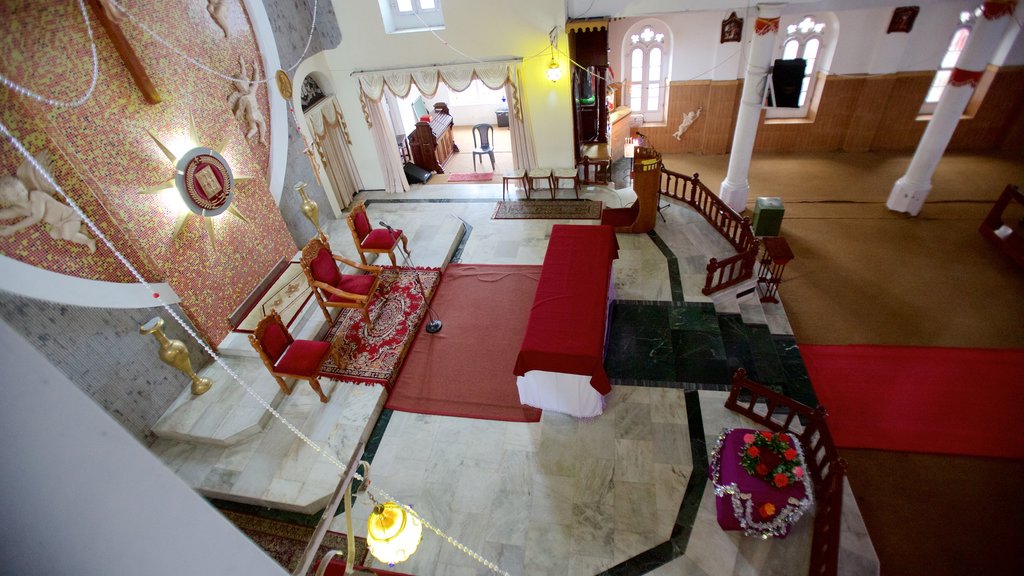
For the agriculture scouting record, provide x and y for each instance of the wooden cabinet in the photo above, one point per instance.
(432, 143)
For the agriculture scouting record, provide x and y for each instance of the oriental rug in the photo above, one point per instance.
(285, 542)
(465, 370)
(920, 399)
(373, 356)
(470, 177)
(548, 209)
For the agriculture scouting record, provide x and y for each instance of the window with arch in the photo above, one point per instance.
(949, 59)
(805, 39)
(646, 56)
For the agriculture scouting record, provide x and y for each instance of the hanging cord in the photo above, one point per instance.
(204, 67)
(19, 89)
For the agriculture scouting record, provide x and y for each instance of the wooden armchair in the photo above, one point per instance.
(286, 357)
(373, 240)
(331, 288)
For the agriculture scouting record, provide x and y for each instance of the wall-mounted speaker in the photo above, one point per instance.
(787, 78)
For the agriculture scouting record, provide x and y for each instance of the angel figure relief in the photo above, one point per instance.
(688, 119)
(217, 8)
(27, 196)
(244, 105)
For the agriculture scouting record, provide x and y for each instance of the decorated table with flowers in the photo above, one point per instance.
(761, 486)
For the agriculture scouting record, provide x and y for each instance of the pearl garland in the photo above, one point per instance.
(23, 91)
(200, 65)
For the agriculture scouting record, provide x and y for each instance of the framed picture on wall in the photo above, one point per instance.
(732, 29)
(903, 19)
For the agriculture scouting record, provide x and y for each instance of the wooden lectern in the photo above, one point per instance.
(641, 216)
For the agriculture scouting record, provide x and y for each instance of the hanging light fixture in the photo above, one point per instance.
(392, 533)
(554, 71)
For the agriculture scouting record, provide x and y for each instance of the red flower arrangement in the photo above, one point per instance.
(771, 458)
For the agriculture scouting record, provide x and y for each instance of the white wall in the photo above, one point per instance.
(82, 496)
(483, 30)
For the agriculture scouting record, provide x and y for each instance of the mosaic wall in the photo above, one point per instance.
(107, 142)
(102, 352)
(290, 21)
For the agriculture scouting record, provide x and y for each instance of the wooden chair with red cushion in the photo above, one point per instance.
(286, 357)
(373, 240)
(332, 288)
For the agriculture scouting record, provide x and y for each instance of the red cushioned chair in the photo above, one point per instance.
(286, 357)
(333, 289)
(373, 240)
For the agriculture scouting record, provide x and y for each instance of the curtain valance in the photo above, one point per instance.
(494, 75)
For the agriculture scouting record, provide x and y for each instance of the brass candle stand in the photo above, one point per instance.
(310, 209)
(174, 353)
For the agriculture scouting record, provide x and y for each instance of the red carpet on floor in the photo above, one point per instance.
(471, 177)
(465, 369)
(915, 399)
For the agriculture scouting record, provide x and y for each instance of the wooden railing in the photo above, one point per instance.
(733, 227)
(827, 470)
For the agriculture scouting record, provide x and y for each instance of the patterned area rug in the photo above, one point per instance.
(470, 177)
(548, 209)
(374, 356)
(285, 542)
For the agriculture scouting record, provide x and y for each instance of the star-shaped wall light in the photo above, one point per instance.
(203, 179)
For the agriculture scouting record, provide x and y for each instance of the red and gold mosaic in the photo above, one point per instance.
(104, 156)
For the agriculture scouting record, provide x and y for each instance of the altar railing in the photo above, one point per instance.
(733, 227)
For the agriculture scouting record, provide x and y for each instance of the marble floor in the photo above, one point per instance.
(556, 497)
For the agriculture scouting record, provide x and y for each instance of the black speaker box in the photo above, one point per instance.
(787, 77)
(416, 175)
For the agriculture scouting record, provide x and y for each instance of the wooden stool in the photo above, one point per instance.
(537, 174)
(512, 176)
(559, 174)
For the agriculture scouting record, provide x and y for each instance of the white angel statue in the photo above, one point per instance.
(244, 105)
(27, 196)
(688, 118)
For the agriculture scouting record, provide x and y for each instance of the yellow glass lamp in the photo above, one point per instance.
(392, 533)
(554, 70)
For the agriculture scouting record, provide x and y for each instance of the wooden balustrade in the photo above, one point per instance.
(733, 227)
(594, 171)
(821, 459)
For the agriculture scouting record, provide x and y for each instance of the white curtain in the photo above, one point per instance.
(331, 134)
(387, 148)
(519, 130)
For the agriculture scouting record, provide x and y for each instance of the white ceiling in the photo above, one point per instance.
(599, 8)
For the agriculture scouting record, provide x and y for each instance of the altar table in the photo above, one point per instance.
(740, 496)
(560, 365)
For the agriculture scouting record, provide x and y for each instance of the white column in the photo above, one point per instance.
(911, 190)
(735, 187)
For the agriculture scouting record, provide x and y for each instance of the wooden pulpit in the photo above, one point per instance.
(642, 215)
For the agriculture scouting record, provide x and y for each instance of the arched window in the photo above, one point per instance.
(806, 40)
(956, 46)
(646, 53)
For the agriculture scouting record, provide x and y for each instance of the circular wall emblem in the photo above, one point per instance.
(204, 181)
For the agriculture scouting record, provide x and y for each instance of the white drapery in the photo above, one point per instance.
(330, 132)
(387, 150)
(495, 75)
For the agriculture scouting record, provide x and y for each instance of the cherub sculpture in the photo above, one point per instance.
(243, 103)
(216, 8)
(27, 196)
(688, 118)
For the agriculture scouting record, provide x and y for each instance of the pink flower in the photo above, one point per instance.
(798, 472)
(748, 438)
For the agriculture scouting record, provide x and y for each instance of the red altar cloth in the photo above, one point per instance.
(739, 495)
(566, 329)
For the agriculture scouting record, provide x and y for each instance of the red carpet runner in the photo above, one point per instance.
(942, 400)
(465, 369)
